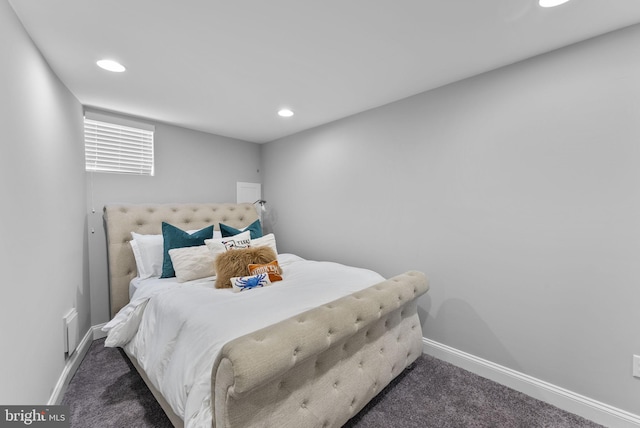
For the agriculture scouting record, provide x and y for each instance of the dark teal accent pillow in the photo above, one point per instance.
(255, 228)
(177, 238)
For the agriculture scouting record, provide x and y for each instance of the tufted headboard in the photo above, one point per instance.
(122, 219)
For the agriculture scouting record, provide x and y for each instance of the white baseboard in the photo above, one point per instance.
(73, 363)
(97, 331)
(564, 399)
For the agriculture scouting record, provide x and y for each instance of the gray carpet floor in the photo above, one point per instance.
(106, 391)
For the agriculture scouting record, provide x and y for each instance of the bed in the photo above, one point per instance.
(309, 351)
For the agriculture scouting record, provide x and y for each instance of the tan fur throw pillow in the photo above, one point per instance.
(236, 263)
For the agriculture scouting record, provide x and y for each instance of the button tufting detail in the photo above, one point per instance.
(340, 333)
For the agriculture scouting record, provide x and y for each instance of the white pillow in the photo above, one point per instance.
(220, 245)
(192, 262)
(148, 250)
(242, 283)
(266, 241)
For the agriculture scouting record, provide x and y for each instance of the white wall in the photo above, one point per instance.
(49, 258)
(515, 191)
(42, 225)
(190, 166)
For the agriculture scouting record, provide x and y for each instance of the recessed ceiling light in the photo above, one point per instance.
(551, 3)
(110, 65)
(285, 112)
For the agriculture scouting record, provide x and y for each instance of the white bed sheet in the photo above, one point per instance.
(133, 286)
(176, 347)
(138, 282)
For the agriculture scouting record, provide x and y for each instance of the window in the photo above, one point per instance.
(112, 144)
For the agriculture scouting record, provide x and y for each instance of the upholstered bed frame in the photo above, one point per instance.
(317, 369)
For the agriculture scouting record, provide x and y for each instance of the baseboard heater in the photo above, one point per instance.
(70, 328)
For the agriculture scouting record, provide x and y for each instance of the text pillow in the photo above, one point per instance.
(272, 269)
(220, 245)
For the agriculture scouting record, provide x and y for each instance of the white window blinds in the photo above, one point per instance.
(117, 145)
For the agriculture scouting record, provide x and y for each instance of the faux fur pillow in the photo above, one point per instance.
(236, 263)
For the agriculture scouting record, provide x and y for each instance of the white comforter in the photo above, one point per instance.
(176, 330)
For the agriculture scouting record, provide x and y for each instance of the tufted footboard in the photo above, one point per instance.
(320, 368)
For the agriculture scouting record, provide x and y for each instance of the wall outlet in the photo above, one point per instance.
(636, 366)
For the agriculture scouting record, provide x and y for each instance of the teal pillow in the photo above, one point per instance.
(177, 238)
(255, 228)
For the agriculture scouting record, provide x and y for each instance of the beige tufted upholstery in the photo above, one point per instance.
(317, 369)
(121, 220)
(320, 368)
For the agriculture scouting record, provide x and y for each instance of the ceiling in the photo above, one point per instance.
(226, 67)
